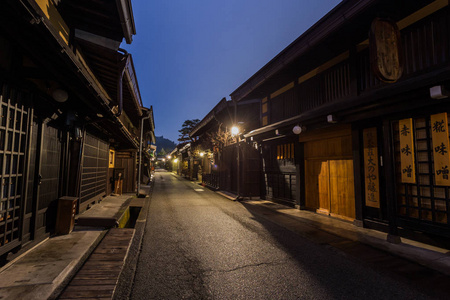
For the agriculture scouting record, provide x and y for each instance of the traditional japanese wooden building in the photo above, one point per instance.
(354, 117)
(70, 109)
(228, 163)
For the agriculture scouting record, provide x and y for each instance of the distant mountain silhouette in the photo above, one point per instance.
(163, 143)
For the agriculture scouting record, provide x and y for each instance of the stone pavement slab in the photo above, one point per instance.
(41, 273)
(105, 213)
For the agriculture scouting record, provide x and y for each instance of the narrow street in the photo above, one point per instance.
(200, 245)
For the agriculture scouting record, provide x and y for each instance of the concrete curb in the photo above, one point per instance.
(226, 195)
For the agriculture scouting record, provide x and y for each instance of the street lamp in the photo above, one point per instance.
(234, 130)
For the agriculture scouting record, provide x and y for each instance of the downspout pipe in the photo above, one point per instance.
(138, 193)
(122, 70)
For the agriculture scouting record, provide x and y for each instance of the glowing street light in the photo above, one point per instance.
(202, 154)
(234, 130)
(175, 160)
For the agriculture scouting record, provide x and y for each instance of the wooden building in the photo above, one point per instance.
(227, 162)
(70, 109)
(365, 91)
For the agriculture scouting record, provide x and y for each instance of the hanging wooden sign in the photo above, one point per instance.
(407, 164)
(372, 182)
(441, 155)
(385, 50)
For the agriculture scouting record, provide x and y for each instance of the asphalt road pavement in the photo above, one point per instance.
(200, 245)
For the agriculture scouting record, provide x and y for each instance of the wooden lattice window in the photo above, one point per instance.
(422, 200)
(13, 134)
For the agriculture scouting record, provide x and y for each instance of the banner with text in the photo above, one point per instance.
(407, 164)
(372, 183)
(441, 155)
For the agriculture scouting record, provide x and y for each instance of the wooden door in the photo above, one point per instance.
(330, 187)
(126, 160)
(228, 169)
(342, 192)
(329, 182)
(47, 181)
(317, 185)
(250, 162)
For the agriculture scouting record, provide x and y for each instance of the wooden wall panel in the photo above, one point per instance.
(339, 147)
(94, 170)
(324, 187)
(312, 170)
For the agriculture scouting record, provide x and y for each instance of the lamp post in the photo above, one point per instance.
(235, 132)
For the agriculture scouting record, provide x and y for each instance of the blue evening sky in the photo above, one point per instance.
(188, 55)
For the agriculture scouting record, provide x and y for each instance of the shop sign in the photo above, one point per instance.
(111, 158)
(385, 50)
(408, 168)
(441, 155)
(372, 183)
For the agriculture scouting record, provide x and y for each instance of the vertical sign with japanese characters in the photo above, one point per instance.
(372, 183)
(439, 134)
(408, 168)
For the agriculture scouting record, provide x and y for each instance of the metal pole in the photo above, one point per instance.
(238, 177)
(238, 170)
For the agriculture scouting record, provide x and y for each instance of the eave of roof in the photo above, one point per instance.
(149, 126)
(75, 63)
(126, 19)
(368, 101)
(110, 18)
(106, 65)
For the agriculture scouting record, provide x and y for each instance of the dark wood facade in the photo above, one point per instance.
(94, 170)
(348, 159)
(60, 113)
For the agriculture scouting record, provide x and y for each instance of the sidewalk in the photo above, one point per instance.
(308, 225)
(45, 270)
